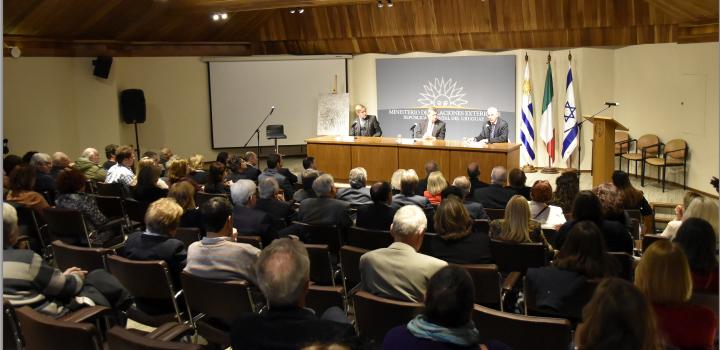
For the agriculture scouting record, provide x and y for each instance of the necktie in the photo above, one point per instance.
(492, 131)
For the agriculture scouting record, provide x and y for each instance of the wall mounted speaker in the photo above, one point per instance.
(102, 66)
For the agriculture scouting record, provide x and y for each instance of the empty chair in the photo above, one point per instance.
(517, 256)
(321, 298)
(110, 189)
(67, 225)
(572, 305)
(622, 145)
(648, 239)
(375, 316)
(350, 265)
(88, 259)
(522, 332)
(495, 214)
(111, 206)
(321, 266)
(674, 154)
(368, 239)
(321, 234)
(41, 332)
(119, 338)
(136, 211)
(188, 235)
(646, 146)
(255, 241)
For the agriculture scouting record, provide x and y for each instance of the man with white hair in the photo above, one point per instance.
(44, 183)
(495, 130)
(325, 209)
(60, 162)
(399, 272)
(357, 193)
(496, 195)
(246, 219)
(89, 163)
(475, 209)
(272, 201)
(283, 276)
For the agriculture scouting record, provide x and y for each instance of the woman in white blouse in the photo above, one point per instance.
(549, 216)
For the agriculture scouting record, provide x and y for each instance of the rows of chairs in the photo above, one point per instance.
(648, 150)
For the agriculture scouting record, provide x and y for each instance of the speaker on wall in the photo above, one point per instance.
(132, 106)
(102, 66)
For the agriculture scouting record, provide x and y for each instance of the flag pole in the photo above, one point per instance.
(550, 169)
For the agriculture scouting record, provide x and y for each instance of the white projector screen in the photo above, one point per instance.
(242, 93)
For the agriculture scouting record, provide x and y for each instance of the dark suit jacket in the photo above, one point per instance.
(252, 222)
(286, 328)
(45, 183)
(356, 196)
(276, 209)
(501, 132)
(252, 173)
(372, 127)
(325, 211)
(475, 184)
(561, 292)
(140, 246)
(523, 191)
(493, 196)
(438, 129)
(376, 216)
(421, 187)
(476, 210)
(471, 249)
(192, 218)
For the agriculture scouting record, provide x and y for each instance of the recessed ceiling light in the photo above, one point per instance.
(292, 10)
(223, 15)
(301, 10)
(379, 4)
(216, 17)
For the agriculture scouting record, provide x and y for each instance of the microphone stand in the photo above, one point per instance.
(257, 132)
(579, 128)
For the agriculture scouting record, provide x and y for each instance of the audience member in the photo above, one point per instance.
(121, 172)
(408, 189)
(704, 208)
(494, 196)
(663, 275)
(10, 162)
(184, 194)
(166, 155)
(357, 193)
(246, 219)
(197, 173)
(153, 156)
(517, 180)
(110, 151)
(475, 209)
(29, 280)
(456, 241)
(446, 322)
(60, 162)
(672, 226)
(632, 198)
(611, 200)
(178, 171)
(309, 163)
(699, 242)
(517, 226)
(28, 156)
(216, 179)
(618, 317)
(308, 177)
(549, 216)
(272, 202)
(283, 276)
(44, 183)
(395, 181)
(325, 209)
(399, 271)
(436, 183)
(562, 289)
(587, 206)
(379, 214)
(253, 172)
(217, 256)
(237, 169)
(473, 173)
(567, 186)
(88, 164)
(146, 188)
(222, 157)
(430, 167)
(274, 162)
(22, 182)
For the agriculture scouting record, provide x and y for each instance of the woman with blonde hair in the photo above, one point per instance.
(435, 185)
(395, 181)
(197, 173)
(184, 194)
(517, 226)
(178, 171)
(704, 208)
(663, 275)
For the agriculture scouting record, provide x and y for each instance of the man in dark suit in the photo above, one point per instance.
(378, 215)
(274, 166)
(438, 126)
(325, 209)
(357, 193)
(496, 195)
(365, 125)
(473, 171)
(252, 172)
(495, 130)
(272, 202)
(246, 219)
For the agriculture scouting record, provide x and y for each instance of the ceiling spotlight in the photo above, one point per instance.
(223, 16)
(379, 4)
(216, 17)
(389, 3)
(301, 10)
(292, 10)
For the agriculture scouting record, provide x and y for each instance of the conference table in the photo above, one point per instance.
(381, 156)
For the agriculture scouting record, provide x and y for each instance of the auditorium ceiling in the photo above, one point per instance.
(186, 27)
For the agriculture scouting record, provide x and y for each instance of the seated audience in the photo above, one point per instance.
(184, 194)
(632, 198)
(408, 189)
(147, 189)
(430, 167)
(308, 177)
(399, 271)
(473, 173)
(253, 171)
(517, 181)
(309, 163)
(197, 173)
(60, 162)
(88, 164)
(222, 157)
(28, 156)
(357, 193)
(166, 156)
(22, 181)
(379, 214)
(618, 317)
(549, 216)
(567, 186)
(29, 281)
(395, 181)
(110, 151)
(517, 226)
(246, 219)
(446, 322)
(272, 202)
(122, 172)
(494, 196)
(216, 179)
(237, 169)
(44, 183)
(9, 163)
(704, 208)
(611, 200)
(274, 163)
(699, 242)
(436, 183)
(587, 207)
(283, 276)
(325, 209)
(562, 289)
(217, 256)
(456, 241)
(152, 155)
(663, 275)
(475, 209)
(178, 171)
(672, 226)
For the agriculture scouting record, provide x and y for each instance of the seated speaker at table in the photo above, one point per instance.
(364, 124)
(437, 129)
(495, 130)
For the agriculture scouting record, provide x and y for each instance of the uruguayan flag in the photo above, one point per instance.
(570, 135)
(527, 131)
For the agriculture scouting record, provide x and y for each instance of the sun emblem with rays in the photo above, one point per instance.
(442, 93)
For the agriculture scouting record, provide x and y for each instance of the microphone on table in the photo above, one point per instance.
(412, 128)
(612, 103)
(353, 124)
(272, 109)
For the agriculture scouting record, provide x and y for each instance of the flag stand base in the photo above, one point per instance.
(550, 171)
(529, 169)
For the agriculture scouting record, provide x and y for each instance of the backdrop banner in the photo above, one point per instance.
(461, 88)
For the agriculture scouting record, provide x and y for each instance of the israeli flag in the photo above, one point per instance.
(570, 134)
(527, 132)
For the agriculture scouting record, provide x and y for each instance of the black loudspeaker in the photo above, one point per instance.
(102, 66)
(132, 106)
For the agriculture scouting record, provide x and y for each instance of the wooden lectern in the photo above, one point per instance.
(603, 155)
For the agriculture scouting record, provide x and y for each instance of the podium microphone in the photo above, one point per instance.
(272, 109)
(412, 128)
(353, 124)
(609, 104)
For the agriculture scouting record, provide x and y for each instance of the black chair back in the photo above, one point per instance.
(67, 225)
(517, 256)
(188, 235)
(368, 239)
(350, 264)
(136, 211)
(648, 239)
(110, 189)
(111, 206)
(495, 214)
(572, 304)
(255, 241)
(487, 280)
(202, 197)
(321, 267)
(482, 226)
(321, 298)
(322, 234)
